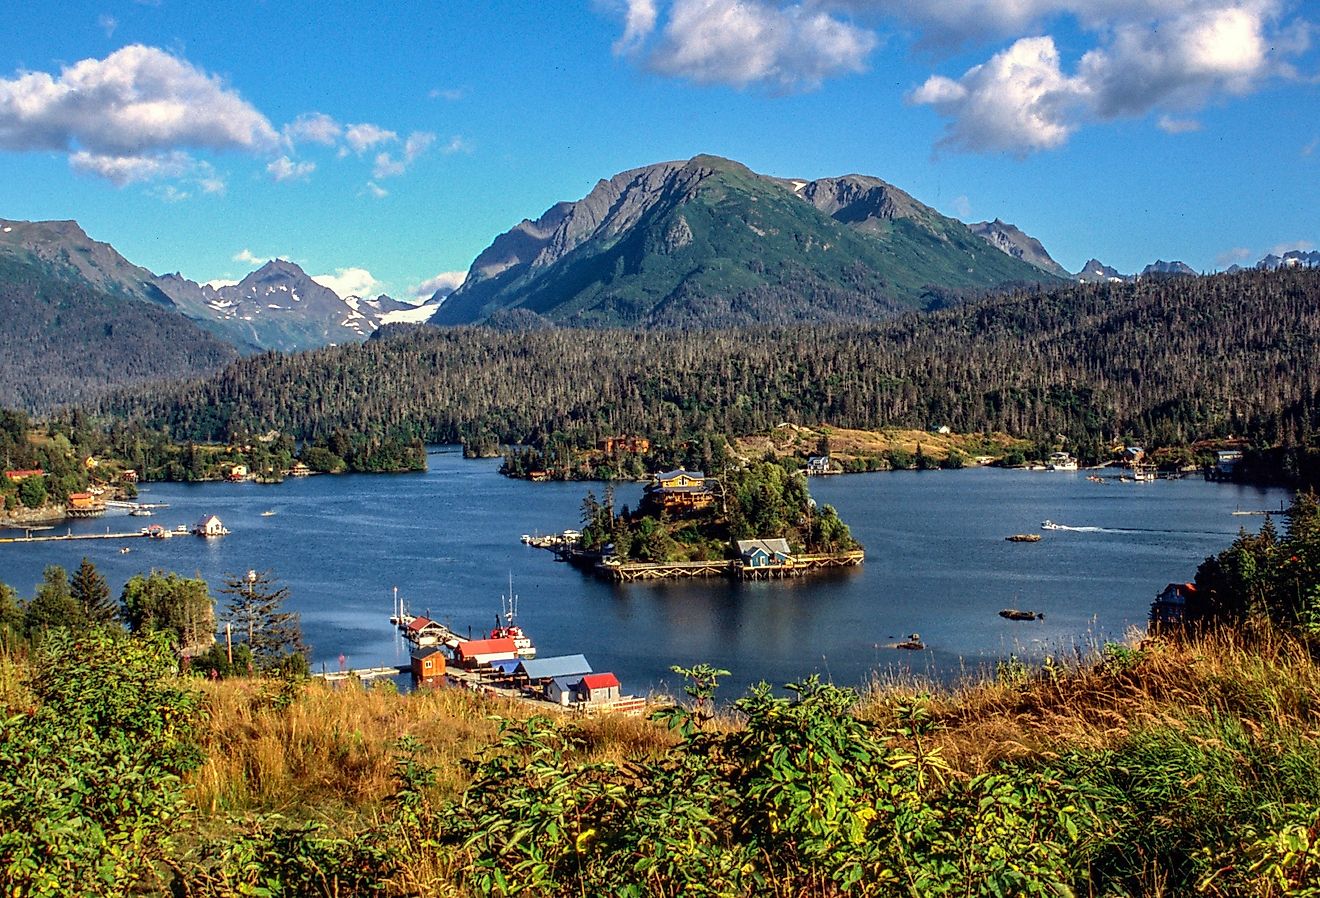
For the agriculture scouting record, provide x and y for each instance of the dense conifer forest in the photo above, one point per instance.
(1164, 360)
(64, 341)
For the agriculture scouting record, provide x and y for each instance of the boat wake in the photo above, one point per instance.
(1050, 525)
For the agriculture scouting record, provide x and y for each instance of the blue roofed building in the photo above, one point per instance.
(540, 670)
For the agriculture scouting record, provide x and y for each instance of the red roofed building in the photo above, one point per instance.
(600, 687)
(424, 631)
(25, 473)
(476, 652)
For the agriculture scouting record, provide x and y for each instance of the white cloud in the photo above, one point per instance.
(1017, 101)
(363, 136)
(1303, 246)
(217, 283)
(168, 193)
(285, 169)
(1235, 255)
(445, 282)
(248, 256)
(417, 143)
(387, 166)
(744, 42)
(122, 170)
(1170, 60)
(108, 24)
(962, 207)
(456, 144)
(349, 282)
(313, 127)
(1170, 125)
(639, 17)
(451, 94)
(375, 190)
(138, 101)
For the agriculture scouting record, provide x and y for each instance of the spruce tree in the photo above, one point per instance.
(92, 594)
(256, 614)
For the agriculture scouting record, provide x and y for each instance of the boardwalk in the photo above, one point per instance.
(70, 536)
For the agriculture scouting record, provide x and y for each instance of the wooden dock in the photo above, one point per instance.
(70, 536)
(360, 673)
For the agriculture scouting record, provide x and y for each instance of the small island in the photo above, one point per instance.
(754, 521)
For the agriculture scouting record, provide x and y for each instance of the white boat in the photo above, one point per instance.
(1047, 524)
(268, 514)
(141, 512)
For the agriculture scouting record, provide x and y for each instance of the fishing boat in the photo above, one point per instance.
(1047, 524)
(505, 627)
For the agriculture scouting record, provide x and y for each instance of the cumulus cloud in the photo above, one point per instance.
(744, 42)
(444, 283)
(1173, 60)
(639, 17)
(375, 190)
(363, 136)
(131, 117)
(313, 127)
(349, 282)
(285, 169)
(1017, 101)
(138, 100)
(1124, 58)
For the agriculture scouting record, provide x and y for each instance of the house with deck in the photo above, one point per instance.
(764, 553)
(678, 491)
(210, 526)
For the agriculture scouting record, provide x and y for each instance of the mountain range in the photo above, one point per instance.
(703, 242)
(279, 306)
(708, 242)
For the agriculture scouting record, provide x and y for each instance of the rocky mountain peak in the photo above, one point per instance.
(1011, 239)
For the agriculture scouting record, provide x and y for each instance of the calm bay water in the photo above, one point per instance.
(937, 564)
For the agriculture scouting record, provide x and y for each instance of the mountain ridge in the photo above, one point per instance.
(707, 241)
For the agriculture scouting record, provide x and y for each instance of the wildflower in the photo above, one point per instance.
(584, 838)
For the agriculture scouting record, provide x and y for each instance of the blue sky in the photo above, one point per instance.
(383, 145)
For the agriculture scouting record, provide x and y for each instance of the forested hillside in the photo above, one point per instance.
(63, 341)
(1163, 360)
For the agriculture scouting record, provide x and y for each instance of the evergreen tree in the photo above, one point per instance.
(11, 615)
(92, 594)
(256, 613)
(53, 607)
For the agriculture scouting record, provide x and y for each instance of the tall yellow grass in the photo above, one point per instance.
(331, 752)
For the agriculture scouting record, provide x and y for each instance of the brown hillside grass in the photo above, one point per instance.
(845, 444)
(331, 751)
(1267, 680)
